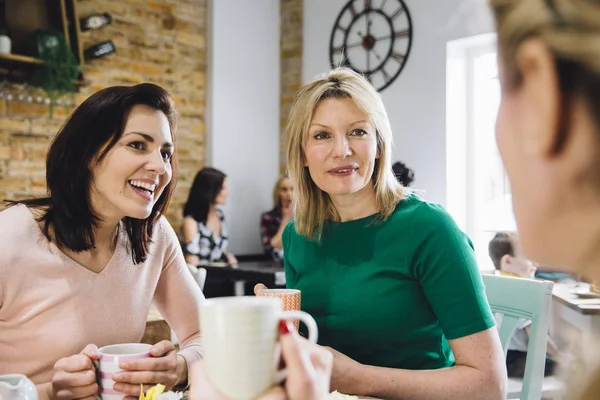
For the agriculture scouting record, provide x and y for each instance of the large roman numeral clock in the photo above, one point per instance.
(373, 37)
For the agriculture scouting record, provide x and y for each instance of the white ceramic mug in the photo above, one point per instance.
(241, 350)
(108, 364)
(5, 43)
(17, 387)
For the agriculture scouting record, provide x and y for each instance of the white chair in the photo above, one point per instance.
(199, 275)
(517, 298)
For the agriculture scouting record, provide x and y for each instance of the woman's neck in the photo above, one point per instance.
(106, 235)
(356, 205)
(212, 210)
(579, 230)
(589, 264)
(98, 257)
(106, 228)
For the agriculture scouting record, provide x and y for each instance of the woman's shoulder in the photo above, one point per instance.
(164, 232)
(426, 222)
(271, 214)
(18, 230)
(17, 218)
(417, 209)
(189, 221)
(290, 231)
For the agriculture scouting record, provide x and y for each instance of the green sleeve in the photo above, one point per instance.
(290, 272)
(444, 262)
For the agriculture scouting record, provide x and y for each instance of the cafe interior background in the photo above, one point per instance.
(233, 67)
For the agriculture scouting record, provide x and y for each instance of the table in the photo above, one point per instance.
(575, 316)
(157, 328)
(270, 273)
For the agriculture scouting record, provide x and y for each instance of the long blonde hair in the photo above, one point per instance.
(276, 195)
(571, 31)
(312, 205)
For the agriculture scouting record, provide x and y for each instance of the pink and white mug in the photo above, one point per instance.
(110, 357)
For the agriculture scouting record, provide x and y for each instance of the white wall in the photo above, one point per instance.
(243, 111)
(416, 101)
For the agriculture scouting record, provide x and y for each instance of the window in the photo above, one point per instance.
(479, 195)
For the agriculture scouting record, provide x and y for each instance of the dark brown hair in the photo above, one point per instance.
(500, 245)
(207, 185)
(83, 141)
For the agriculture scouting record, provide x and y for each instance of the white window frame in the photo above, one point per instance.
(460, 139)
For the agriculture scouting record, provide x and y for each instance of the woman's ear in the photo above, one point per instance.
(542, 97)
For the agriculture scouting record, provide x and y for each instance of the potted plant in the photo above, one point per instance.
(60, 70)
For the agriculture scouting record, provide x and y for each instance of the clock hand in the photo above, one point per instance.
(401, 34)
(349, 46)
(376, 55)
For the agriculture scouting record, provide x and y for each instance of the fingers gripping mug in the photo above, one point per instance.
(240, 340)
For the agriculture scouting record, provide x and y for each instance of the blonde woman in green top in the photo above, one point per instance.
(390, 279)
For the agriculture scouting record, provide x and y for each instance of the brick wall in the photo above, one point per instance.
(158, 41)
(291, 63)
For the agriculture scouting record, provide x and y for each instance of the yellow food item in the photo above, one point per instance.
(152, 393)
(594, 287)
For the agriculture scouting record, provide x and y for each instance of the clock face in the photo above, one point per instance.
(373, 37)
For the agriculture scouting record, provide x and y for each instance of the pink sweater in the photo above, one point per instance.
(52, 307)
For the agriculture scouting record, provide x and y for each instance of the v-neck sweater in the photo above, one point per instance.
(52, 307)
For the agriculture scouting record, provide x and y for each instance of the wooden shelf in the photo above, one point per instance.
(21, 59)
(23, 19)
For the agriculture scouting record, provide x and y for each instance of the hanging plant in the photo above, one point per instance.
(60, 70)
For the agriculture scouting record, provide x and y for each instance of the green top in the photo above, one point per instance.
(390, 293)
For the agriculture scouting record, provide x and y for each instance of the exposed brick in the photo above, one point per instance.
(46, 127)
(192, 39)
(161, 41)
(14, 124)
(27, 109)
(159, 6)
(125, 78)
(15, 183)
(291, 63)
(147, 68)
(15, 153)
(38, 186)
(4, 152)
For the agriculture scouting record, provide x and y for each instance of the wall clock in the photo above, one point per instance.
(373, 37)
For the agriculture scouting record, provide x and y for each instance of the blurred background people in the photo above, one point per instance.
(274, 221)
(405, 175)
(205, 237)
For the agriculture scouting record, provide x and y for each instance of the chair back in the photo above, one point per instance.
(199, 275)
(517, 298)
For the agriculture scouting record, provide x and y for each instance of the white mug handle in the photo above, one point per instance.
(313, 334)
